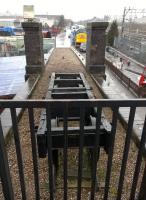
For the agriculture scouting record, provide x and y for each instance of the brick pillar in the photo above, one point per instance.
(95, 52)
(33, 41)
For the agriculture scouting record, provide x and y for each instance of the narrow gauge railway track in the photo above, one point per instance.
(70, 86)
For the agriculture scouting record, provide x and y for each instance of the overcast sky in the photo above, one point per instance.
(73, 9)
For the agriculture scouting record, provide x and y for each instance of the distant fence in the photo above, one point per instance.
(133, 47)
(14, 46)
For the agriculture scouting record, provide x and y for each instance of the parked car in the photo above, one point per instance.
(83, 47)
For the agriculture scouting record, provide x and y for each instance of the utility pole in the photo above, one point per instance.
(133, 11)
(123, 21)
(125, 12)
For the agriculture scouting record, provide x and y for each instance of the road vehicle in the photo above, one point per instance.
(82, 47)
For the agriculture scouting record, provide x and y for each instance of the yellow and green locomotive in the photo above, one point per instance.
(80, 37)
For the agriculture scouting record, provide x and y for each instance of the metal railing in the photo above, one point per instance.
(137, 187)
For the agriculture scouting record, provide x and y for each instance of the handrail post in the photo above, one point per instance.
(142, 193)
(4, 169)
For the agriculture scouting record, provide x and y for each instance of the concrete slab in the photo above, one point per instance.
(23, 93)
(12, 72)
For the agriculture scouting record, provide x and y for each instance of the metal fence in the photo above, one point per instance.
(14, 46)
(138, 181)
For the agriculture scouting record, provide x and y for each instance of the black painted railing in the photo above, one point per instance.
(137, 184)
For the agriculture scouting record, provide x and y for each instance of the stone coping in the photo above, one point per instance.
(31, 25)
(79, 55)
(98, 25)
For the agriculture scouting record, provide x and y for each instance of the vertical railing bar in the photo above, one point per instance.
(126, 151)
(111, 149)
(34, 153)
(4, 169)
(81, 143)
(96, 152)
(65, 123)
(18, 152)
(142, 192)
(138, 162)
(50, 159)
